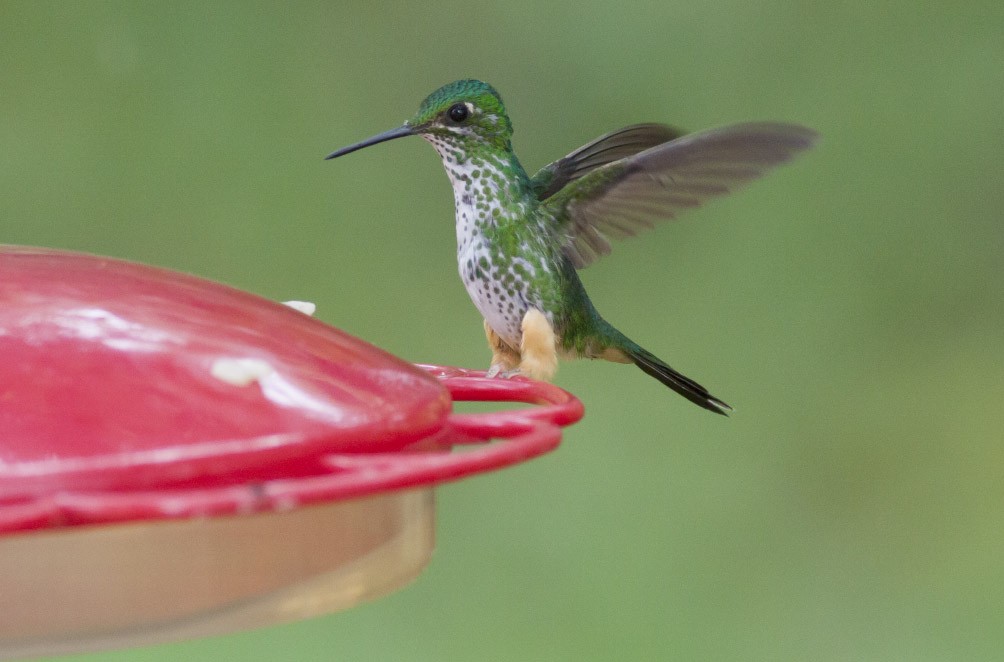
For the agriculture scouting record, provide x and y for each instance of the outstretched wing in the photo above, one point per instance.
(622, 198)
(612, 147)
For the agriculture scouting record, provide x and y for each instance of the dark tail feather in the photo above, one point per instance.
(685, 386)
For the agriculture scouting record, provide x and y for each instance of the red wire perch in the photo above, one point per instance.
(525, 433)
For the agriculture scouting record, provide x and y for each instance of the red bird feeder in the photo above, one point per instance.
(179, 458)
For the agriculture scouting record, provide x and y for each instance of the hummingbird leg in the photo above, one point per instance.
(504, 358)
(538, 347)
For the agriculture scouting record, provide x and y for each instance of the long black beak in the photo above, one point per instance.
(399, 132)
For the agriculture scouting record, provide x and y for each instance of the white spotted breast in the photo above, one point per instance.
(498, 284)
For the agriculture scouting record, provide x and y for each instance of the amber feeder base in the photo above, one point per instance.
(210, 576)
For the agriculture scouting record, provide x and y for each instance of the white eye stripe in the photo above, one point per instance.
(459, 130)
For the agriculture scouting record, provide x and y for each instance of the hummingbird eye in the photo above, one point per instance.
(458, 112)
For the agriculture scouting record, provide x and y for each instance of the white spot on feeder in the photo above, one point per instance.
(305, 307)
(241, 372)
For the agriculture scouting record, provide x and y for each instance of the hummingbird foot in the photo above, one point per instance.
(497, 370)
(504, 358)
(537, 357)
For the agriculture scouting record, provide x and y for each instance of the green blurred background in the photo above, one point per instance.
(849, 306)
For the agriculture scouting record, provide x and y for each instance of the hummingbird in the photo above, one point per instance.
(521, 238)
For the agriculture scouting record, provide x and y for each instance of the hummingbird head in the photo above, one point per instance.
(465, 115)
(462, 112)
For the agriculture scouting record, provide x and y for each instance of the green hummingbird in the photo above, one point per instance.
(520, 239)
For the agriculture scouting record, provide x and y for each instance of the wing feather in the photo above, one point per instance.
(623, 197)
(606, 149)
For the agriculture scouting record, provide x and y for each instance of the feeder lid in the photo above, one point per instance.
(132, 392)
